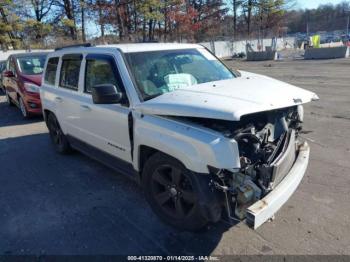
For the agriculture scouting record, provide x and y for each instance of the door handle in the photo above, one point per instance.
(85, 107)
(58, 99)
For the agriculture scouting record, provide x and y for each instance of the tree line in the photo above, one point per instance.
(50, 23)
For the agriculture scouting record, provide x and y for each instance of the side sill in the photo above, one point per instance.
(109, 160)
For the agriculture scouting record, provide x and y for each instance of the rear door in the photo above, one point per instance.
(49, 92)
(104, 126)
(67, 95)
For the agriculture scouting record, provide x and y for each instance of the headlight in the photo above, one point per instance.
(33, 88)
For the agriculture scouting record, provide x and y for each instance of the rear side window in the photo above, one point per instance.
(69, 77)
(100, 70)
(50, 73)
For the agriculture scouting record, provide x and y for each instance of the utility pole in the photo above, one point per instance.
(307, 14)
(348, 21)
(347, 25)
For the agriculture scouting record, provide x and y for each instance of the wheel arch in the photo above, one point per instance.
(145, 152)
(46, 113)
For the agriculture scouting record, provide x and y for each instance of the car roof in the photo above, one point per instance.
(144, 47)
(131, 48)
(29, 54)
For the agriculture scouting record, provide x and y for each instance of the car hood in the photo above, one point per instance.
(228, 99)
(36, 79)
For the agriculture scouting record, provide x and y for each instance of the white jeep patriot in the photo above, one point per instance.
(204, 141)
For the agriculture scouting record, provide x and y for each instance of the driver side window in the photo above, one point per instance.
(99, 71)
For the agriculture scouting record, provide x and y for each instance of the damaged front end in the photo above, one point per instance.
(269, 151)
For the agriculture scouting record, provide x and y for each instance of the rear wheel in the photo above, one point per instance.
(59, 140)
(172, 192)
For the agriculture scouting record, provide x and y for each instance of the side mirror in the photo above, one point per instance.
(8, 74)
(106, 94)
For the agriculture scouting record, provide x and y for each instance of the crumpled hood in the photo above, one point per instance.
(228, 99)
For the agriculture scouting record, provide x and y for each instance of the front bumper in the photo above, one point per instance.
(33, 104)
(264, 209)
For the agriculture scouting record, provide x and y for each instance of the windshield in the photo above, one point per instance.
(159, 72)
(2, 65)
(31, 65)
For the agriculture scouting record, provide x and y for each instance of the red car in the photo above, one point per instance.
(22, 80)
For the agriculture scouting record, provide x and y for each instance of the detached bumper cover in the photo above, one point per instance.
(264, 209)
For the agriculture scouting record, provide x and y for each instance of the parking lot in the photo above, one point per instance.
(54, 204)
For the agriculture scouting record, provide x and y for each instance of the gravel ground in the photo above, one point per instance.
(53, 204)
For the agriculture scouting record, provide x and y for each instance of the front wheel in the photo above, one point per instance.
(23, 108)
(172, 192)
(58, 138)
(9, 101)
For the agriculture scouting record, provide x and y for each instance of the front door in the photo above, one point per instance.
(11, 83)
(104, 126)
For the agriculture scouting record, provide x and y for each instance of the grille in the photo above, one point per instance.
(284, 162)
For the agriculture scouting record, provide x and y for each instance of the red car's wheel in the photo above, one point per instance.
(23, 108)
(8, 99)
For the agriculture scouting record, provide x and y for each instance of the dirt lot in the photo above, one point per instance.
(53, 204)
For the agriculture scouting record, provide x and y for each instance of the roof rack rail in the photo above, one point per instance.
(149, 41)
(76, 45)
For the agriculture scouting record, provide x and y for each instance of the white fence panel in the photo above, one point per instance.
(229, 48)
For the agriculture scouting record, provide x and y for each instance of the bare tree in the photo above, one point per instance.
(235, 5)
(41, 8)
(69, 10)
(82, 13)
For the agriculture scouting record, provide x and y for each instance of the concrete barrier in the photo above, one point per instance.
(229, 48)
(262, 56)
(327, 53)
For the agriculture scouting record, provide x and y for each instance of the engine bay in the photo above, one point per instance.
(267, 144)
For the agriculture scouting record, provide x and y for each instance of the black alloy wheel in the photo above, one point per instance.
(172, 192)
(57, 136)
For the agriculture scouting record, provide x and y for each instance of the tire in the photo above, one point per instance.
(9, 101)
(23, 108)
(58, 139)
(172, 192)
